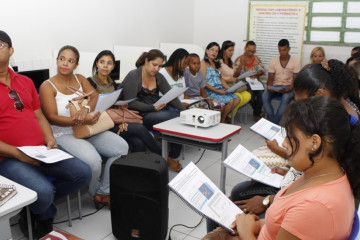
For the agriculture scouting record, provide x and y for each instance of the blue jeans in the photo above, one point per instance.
(285, 99)
(139, 138)
(91, 150)
(152, 118)
(70, 175)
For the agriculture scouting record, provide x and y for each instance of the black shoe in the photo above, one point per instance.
(39, 228)
(43, 227)
(23, 224)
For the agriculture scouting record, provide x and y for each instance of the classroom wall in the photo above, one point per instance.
(38, 27)
(228, 19)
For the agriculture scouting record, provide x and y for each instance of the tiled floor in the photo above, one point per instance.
(98, 225)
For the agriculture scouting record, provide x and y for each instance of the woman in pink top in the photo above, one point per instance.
(322, 141)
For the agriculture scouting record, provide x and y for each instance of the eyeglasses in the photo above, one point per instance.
(18, 103)
(2, 45)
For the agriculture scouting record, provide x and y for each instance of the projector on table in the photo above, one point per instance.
(200, 117)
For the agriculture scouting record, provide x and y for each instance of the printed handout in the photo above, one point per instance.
(106, 100)
(278, 88)
(244, 162)
(203, 196)
(191, 101)
(45, 155)
(124, 102)
(236, 86)
(269, 131)
(246, 74)
(255, 84)
(171, 95)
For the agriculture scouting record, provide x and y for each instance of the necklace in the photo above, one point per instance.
(317, 176)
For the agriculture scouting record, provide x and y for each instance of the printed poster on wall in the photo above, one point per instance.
(271, 22)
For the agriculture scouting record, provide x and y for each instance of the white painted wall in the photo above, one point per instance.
(38, 27)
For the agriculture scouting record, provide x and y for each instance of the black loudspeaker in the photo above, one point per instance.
(139, 197)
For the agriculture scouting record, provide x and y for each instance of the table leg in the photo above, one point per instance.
(164, 150)
(224, 148)
(29, 223)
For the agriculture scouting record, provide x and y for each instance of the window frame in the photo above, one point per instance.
(342, 29)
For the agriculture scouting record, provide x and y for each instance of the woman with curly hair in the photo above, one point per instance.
(333, 79)
(322, 143)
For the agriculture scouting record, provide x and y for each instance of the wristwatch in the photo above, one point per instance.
(266, 201)
(87, 107)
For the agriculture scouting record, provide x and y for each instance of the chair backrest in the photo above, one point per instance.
(355, 227)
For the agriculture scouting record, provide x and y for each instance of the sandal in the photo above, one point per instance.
(174, 165)
(101, 199)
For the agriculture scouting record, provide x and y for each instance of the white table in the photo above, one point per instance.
(24, 197)
(213, 138)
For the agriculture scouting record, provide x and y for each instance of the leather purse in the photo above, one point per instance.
(124, 115)
(84, 131)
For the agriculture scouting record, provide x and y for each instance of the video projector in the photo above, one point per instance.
(200, 117)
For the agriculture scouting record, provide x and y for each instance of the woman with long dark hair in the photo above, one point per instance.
(135, 134)
(214, 87)
(145, 83)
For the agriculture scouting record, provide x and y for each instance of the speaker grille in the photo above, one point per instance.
(139, 197)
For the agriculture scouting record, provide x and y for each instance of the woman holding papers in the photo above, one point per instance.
(322, 143)
(227, 74)
(314, 80)
(250, 62)
(135, 134)
(173, 69)
(214, 86)
(54, 97)
(145, 83)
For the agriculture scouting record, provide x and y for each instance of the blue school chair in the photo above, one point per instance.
(355, 227)
(68, 205)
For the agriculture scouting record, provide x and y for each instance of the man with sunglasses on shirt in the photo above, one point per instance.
(22, 123)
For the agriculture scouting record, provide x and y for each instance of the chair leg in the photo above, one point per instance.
(68, 210)
(246, 113)
(29, 223)
(79, 204)
(232, 116)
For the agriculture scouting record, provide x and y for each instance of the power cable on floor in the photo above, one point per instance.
(200, 157)
(86, 215)
(202, 218)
